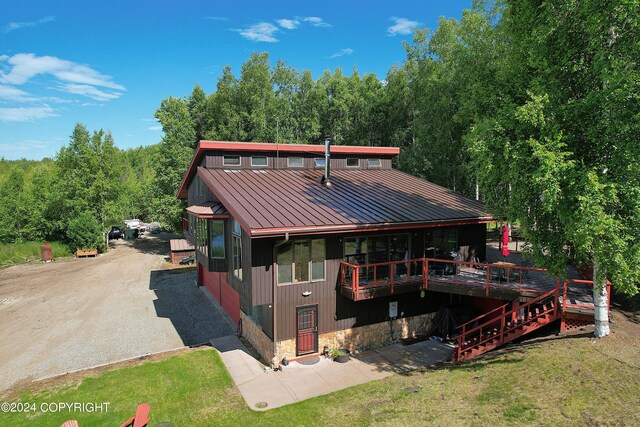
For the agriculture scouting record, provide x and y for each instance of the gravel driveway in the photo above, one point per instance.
(70, 315)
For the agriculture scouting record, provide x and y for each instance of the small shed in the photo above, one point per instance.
(180, 248)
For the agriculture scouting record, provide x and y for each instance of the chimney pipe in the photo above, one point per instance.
(326, 179)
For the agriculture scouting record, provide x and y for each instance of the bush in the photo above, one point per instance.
(85, 232)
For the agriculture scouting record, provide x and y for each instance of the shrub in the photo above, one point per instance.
(85, 232)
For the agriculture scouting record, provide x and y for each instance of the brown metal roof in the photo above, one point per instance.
(204, 146)
(180, 245)
(270, 202)
(209, 209)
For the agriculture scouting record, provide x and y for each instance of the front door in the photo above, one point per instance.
(307, 326)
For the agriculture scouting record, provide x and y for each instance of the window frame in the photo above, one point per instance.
(289, 165)
(353, 158)
(370, 165)
(290, 246)
(229, 156)
(266, 161)
(319, 159)
(236, 242)
(224, 249)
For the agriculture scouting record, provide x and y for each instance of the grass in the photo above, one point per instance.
(540, 382)
(20, 253)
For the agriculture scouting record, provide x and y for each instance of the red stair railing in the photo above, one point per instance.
(495, 332)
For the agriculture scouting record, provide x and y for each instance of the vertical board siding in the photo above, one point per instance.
(244, 286)
(338, 161)
(262, 271)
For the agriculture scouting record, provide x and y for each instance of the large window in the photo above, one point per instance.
(236, 248)
(440, 242)
(301, 261)
(192, 224)
(201, 236)
(377, 250)
(216, 238)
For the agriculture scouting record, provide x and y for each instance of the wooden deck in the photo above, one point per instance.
(510, 281)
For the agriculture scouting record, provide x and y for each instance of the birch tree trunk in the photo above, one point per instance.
(600, 302)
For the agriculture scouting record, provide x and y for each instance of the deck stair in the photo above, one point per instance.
(504, 324)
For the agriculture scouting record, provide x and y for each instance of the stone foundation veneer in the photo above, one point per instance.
(365, 337)
(258, 339)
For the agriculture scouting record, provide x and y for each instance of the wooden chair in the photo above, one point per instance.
(141, 419)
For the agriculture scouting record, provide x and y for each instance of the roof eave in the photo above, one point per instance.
(354, 228)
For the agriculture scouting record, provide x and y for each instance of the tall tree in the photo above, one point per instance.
(175, 152)
(564, 162)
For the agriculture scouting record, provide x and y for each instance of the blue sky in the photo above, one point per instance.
(109, 64)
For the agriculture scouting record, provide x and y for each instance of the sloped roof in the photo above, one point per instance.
(209, 209)
(272, 202)
(264, 147)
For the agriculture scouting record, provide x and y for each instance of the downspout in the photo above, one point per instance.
(273, 293)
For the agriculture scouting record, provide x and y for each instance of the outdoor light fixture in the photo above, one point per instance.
(306, 293)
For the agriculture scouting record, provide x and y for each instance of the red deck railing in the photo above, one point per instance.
(357, 277)
(506, 325)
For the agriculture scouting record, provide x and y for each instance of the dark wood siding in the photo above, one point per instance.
(215, 161)
(262, 271)
(195, 197)
(244, 286)
(336, 312)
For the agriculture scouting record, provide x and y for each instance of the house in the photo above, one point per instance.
(308, 247)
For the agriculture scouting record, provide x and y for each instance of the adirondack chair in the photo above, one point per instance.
(70, 423)
(140, 419)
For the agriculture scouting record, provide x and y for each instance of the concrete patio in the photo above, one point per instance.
(265, 389)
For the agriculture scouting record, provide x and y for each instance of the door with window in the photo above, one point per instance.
(307, 327)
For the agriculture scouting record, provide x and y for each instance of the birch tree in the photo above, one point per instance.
(566, 141)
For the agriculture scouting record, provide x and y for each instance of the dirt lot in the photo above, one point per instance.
(74, 314)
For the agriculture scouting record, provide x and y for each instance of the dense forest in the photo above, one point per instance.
(530, 105)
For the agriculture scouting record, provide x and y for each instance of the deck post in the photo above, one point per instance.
(563, 324)
(488, 278)
(502, 325)
(425, 273)
(356, 281)
(391, 274)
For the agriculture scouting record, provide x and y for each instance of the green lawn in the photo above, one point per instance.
(544, 382)
(20, 253)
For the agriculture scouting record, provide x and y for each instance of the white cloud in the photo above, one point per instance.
(402, 26)
(155, 128)
(342, 52)
(10, 93)
(316, 21)
(89, 91)
(289, 24)
(216, 18)
(25, 66)
(17, 25)
(22, 114)
(261, 32)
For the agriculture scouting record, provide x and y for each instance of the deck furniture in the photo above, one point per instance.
(140, 419)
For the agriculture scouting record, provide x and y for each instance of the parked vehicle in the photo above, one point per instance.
(115, 233)
(137, 224)
(188, 260)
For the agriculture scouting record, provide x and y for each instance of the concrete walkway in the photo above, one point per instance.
(265, 389)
